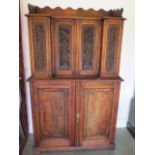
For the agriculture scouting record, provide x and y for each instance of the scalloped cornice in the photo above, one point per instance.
(74, 12)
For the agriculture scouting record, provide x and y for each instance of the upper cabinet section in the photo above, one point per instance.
(39, 39)
(75, 43)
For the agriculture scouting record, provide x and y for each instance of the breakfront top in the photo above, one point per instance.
(74, 43)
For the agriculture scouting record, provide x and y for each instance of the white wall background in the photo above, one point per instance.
(127, 58)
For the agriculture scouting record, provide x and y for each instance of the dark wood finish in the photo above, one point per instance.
(75, 56)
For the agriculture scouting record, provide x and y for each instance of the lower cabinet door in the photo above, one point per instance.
(53, 114)
(97, 108)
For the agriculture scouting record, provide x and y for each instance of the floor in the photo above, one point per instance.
(125, 145)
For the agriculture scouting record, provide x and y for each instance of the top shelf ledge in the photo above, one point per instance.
(47, 11)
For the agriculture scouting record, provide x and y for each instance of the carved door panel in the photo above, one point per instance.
(96, 106)
(39, 39)
(88, 47)
(53, 113)
(112, 38)
(63, 38)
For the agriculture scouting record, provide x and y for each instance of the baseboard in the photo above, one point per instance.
(131, 129)
(41, 149)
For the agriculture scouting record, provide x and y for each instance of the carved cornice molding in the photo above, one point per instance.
(75, 12)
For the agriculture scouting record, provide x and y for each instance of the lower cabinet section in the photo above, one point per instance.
(74, 114)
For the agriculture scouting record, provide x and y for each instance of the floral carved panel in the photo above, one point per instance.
(64, 44)
(39, 47)
(112, 42)
(88, 33)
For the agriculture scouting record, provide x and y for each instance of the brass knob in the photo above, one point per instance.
(78, 118)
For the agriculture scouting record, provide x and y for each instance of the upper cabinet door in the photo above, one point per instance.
(88, 47)
(111, 47)
(63, 46)
(39, 39)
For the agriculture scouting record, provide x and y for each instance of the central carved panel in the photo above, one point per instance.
(64, 34)
(88, 33)
(112, 42)
(39, 47)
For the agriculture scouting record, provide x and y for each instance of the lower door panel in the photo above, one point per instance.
(53, 113)
(97, 106)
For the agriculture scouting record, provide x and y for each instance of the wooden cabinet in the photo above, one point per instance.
(75, 57)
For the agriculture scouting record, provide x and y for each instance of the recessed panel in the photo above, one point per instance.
(112, 43)
(53, 107)
(88, 36)
(64, 44)
(39, 47)
(98, 106)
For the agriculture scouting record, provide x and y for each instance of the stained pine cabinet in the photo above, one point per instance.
(75, 60)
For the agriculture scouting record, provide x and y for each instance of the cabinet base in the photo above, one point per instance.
(71, 148)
